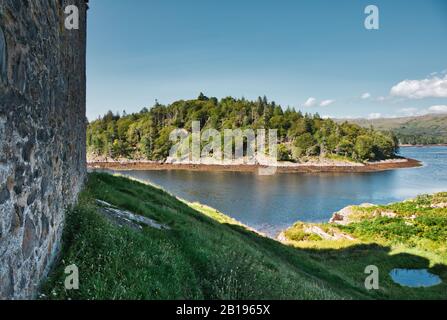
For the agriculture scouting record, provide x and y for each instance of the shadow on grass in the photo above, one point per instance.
(223, 260)
(345, 267)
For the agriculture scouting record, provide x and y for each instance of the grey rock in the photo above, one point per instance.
(7, 283)
(3, 70)
(29, 238)
(4, 194)
(127, 218)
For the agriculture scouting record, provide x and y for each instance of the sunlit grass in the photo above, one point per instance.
(208, 255)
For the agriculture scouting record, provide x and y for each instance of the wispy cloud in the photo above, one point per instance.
(433, 87)
(366, 95)
(310, 102)
(326, 103)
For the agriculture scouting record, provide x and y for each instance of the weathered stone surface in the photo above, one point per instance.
(127, 218)
(29, 238)
(2, 56)
(343, 217)
(42, 136)
(7, 284)
(4, 194)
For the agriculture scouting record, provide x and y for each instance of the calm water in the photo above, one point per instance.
(415, 278)
(272, 203)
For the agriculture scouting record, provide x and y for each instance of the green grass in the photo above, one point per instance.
(414, 237)
(205, 255)
(337, 157)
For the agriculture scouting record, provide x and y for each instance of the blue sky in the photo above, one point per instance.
(292, 51)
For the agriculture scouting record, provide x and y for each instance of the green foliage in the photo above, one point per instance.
(284, 153)
(305, 145)
(146, 134)
(364, 147)
(297, 233)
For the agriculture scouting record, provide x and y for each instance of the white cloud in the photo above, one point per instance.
(434, 87)
(366, 95)
(438, 109)
(310, 102)
(326, 103)
(410, 112)
(374, 116)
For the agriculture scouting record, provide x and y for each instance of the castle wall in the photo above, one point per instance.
(42, 136)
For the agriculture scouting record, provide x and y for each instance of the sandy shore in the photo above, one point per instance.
(340, 167)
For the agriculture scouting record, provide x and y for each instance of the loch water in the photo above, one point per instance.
(272, 203)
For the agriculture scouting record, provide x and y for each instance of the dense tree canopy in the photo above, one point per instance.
(146, 134)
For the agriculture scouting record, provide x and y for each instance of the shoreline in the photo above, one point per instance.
(422, 145)
(400, 163)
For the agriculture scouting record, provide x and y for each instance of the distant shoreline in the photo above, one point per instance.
(346, 167)
(423, 145)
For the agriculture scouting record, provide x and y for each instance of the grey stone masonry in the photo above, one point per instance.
(42, 136)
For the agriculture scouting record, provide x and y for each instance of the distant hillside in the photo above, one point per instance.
(428, 129)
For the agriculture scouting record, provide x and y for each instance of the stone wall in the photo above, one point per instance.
(42, 136)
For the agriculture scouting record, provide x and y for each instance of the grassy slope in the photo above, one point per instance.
(416, 237)
(205, 255)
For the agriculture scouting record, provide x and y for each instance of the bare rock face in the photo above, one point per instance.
(332, 235)
(2, 56)
(42, 136)
(342, 217)
(124, 218)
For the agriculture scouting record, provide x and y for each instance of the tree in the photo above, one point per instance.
(345, 148)
(202, 97)
(284, 154)
(384, 146)
(364, 148)
(304, 145)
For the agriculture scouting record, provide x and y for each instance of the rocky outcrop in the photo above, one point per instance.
(342, 217)
(42, 136)
(126, 218)
(345, 215)
(331, 234)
